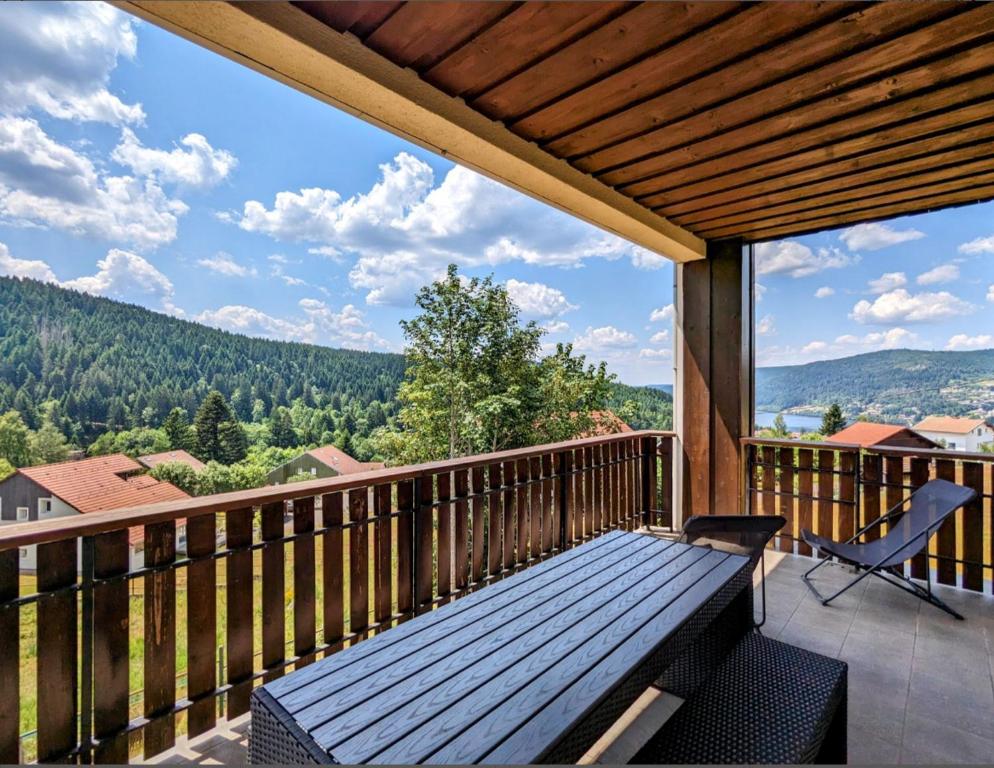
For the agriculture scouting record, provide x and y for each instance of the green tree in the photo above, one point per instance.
(6, 469)
(14, 443)
(141, 441)
(177, 429)
(282, 433)
(233, 441)
(779, 429)
(183, 476)
(212, 440)
(833, 420)
(48, 445)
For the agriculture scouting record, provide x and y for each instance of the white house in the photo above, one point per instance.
(956, 434)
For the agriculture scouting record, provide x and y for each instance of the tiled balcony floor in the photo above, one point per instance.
(920, 682)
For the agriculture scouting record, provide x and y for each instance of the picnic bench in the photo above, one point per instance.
(532, 668)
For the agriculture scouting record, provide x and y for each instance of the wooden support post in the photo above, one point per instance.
(714, 320)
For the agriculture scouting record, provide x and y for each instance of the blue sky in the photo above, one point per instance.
(138, 166)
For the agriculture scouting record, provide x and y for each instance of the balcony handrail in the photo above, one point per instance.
(781, 442)
(61, 528)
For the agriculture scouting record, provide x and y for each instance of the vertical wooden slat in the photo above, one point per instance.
(558, 503)
(239, 640)
(648, 449)
(521, 507)
(332, 569)
(767, 499)
(872, 478)
(847, 495)
(805, 490)
(588, 491)
(622, 448)
(423, 541)
(57, 651)
(507, 557)
(160, 637)
(785, 502)
(462, 528)
(894, 479)
(615, 486)
(973, 528)
(580, 494)
(631, 448)
(495, 523)
(358, 560)
(989, 504)
(597, 503)
(444, 557)
(548, 486)
(569, 508)
(825, 508)
(919, 476)
(405, 546)
(945, 469)
(10, 658)
(201, 622)
(273, 591)
(382, 554)
(666, 480)
(304, 583)
(535, 535)
(477, 504)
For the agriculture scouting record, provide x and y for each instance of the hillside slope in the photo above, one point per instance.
(901, 384)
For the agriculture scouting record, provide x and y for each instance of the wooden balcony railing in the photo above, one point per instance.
(100, 661)
(836, 489)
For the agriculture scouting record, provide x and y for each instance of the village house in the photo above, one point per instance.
(866, 434)
(322, 462)
(172, 457)
(96, 484)
(957, 434)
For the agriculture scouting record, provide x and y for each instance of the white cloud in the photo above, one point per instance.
(34, 269)
(814, 346)
(662, 315)
(406, 230)
(44, 183)
(798, 260)
(655, 354)
(605, 340)
(978, 245)
(824, 292)
(944, 273)
(328, 252)
(990, 292)
(556, 326)
(660, 338)
(225, 264)
(648, 260)
(319, 324)
(888, 281)
(123, 273)
(842, 346)
(537, 299)
(58, 57)
(199, 165)
(963, 342)
(759, 290)
(766, 326)
(874, 236)
(899, 306)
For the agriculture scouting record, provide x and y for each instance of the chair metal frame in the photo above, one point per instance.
(894, 574)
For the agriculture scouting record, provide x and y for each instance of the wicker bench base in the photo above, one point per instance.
(769, 703)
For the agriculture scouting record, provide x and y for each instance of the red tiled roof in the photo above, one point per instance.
(341, 462)
(866, 434)
(169, 456)
(99, 483)
(948, 424)
(606, 422)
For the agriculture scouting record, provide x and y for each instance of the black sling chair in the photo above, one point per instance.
(906, 537)
(740, 534)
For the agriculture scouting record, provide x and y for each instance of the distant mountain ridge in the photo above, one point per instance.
(900, 385)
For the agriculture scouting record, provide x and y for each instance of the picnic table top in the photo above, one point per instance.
(505, 673)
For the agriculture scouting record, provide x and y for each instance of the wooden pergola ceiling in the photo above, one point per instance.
(753, 120)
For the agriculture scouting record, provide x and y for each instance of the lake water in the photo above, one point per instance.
(795, 423)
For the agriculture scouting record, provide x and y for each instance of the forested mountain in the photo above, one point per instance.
(110, 365)
(107, 366)
(901, 385)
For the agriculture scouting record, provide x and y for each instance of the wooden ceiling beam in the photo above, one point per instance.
(289, 45)
(915, 172)
(844, 217)
(826, 166)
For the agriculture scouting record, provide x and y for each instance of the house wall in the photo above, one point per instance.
(907, 440)
(21, 491)
(963, 442)
(304, 463)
